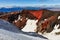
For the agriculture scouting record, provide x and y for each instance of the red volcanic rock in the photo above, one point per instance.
(20, 23)
(46, 24)
(37, 13)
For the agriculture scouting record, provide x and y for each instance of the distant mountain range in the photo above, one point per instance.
(4, 9)
(10, 9)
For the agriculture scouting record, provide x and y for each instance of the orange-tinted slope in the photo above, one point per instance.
(37, 13)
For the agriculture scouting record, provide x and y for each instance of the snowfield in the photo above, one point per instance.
(11, 32)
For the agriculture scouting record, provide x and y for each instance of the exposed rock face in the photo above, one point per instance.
(46, 15)
(46, 25)
(21, 22)
(11, 16)
(31, 14)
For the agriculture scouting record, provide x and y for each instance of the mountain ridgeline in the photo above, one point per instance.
(12, 9)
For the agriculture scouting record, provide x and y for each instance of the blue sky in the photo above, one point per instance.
(5, 3)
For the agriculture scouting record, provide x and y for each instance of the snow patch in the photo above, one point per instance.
(58, 17)
(30, 26)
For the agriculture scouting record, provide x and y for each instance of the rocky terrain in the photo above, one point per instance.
(14, 26)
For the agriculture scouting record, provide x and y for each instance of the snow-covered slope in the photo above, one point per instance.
(7, 35)
(8, 26)
(10, 32)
